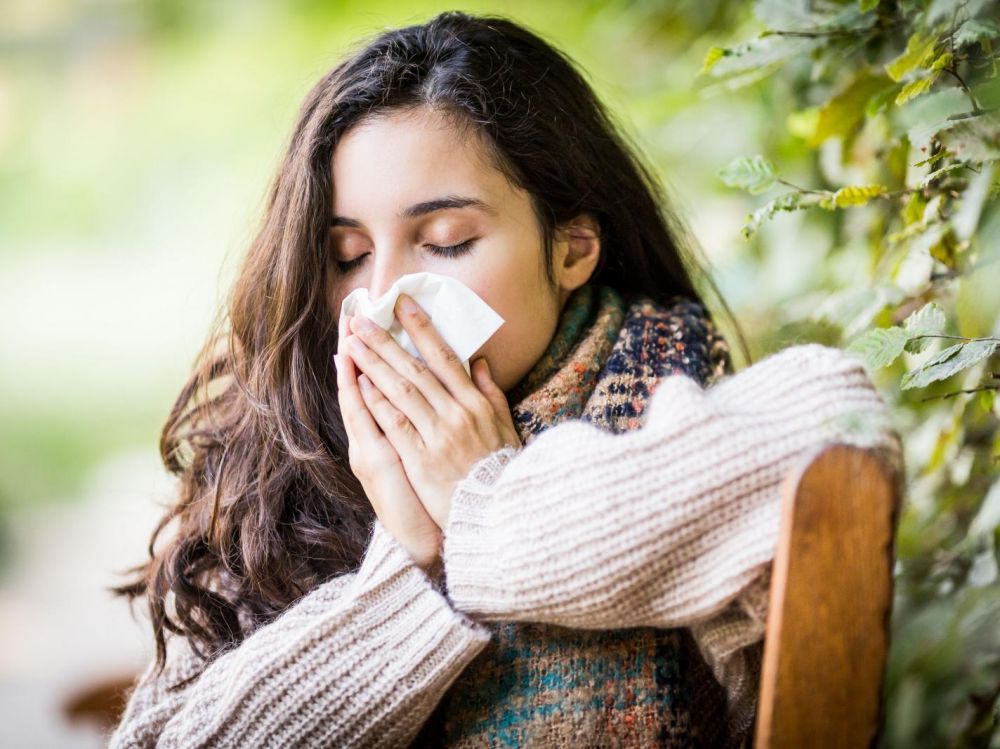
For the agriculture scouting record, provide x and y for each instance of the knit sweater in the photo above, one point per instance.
(672, 524)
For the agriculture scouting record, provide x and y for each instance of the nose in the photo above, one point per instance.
(387, 266)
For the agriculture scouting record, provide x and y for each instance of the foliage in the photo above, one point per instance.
(897, 101)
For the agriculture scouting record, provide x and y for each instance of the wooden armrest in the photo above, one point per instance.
(827, 633)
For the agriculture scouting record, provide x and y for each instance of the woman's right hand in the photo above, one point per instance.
(378, 467)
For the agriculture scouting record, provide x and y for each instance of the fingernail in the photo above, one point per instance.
(364, 382)
(406, 305)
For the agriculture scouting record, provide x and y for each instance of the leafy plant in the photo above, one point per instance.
(898, 102)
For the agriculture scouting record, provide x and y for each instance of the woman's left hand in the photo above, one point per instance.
(439, 421)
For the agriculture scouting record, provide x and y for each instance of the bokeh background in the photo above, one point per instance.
(137, 138)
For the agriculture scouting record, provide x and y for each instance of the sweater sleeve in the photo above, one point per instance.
(360, 661)
(673, 524)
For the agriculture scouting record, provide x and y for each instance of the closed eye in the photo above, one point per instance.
(455, 250)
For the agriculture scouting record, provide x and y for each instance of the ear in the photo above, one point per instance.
(575, 252)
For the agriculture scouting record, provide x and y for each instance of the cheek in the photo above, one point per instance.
(336, 297)
(504, 294)
(517, 345)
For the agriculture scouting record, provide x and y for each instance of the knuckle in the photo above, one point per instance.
(415, 368)
(404, 389)
(399, 420)
(447, 354)
(421, 323)
(461, 421)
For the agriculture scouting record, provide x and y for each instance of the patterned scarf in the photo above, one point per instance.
(544, 685)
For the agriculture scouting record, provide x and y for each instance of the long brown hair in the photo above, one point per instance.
(268, 507)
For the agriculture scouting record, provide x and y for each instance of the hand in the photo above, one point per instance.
(438, 421)
(377, 466)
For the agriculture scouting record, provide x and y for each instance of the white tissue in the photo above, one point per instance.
(458, 314)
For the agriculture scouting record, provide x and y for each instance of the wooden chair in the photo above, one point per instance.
(827, 633)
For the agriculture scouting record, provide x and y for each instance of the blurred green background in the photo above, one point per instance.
(137, 138)
(136, 142)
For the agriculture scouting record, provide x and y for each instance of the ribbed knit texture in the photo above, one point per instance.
(359, 661)
(670, 525)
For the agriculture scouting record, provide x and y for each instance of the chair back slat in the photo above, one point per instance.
(827, 635)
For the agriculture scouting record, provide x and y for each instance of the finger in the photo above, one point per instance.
(440, 357)
(498, 400)
(406, 382)
(359, 422)
(492, 392)
(352, 405)
(397, 505)
(398, 429)
(361, 427)
(483, 378)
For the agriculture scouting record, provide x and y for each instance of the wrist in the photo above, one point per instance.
(434, 569)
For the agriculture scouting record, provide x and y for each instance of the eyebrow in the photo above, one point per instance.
(428, 206)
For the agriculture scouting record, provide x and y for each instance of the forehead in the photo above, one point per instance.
(399, 157)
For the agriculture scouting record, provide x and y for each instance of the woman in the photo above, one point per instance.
(370, 551)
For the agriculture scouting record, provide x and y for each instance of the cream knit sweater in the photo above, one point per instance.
(673, 524)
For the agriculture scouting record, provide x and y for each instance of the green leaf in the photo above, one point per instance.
(913, 211)
(880, 347)
(714, 55)
(866, 6)
(975, 139)
(976, 30)
(759, 53)
(755, 175)
(933, 159)
(845, 110)
(808, 16)
(987, 399)
(853, 308)
(942, 61)
(928, 320)
(939, 173)
(913, 89)
(918, 54)
(947, 363)
(927, 116)
(945, 249)
(881, 100)
(789, 201)
(853, 195)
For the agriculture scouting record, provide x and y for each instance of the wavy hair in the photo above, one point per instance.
(267, 506)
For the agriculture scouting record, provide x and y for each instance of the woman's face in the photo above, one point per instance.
(386, 166)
